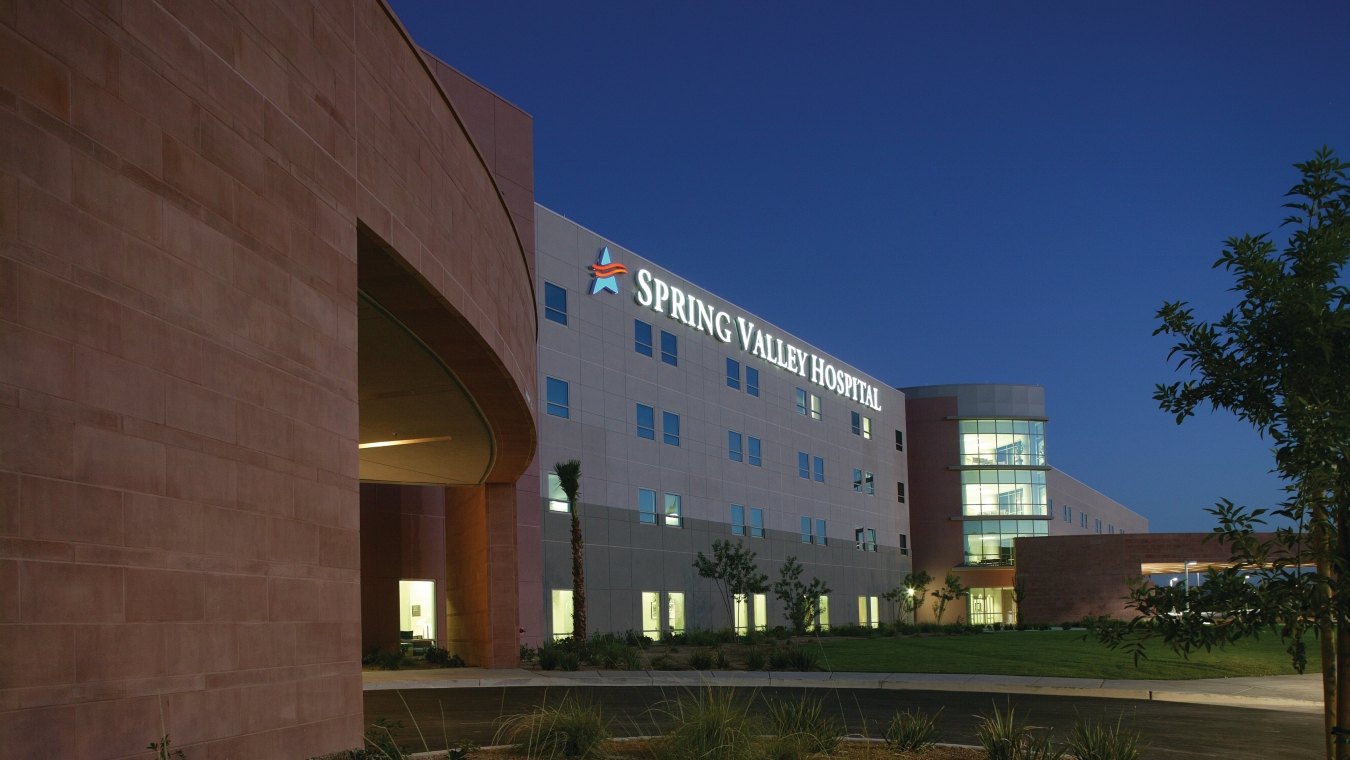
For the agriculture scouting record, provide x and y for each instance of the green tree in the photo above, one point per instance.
(733, 568)
(801, 601)
(1279, 360)
(909, 595)
(951, 590)
(569, 480)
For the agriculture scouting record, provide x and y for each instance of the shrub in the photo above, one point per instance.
(720, 660)
(528, 653)
(911, 731)
(569, 661)
(1097, 740)
(754, 659)
(548, 658)
(607, 652)
(1004, 737)
(568, 729)
(389, 659)
(666, 662)
(380, 740)
(803, 658)
(700, 660)
(801, 728)
(709, 723)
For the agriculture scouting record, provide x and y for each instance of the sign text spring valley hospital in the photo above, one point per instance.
(656, 294)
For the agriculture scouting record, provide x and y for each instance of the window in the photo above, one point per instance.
(900, 492)
(899, 440)
(557, 403)
(674, 515)
(904, 544)
(733, 374)
(739, 612)
(670, 349)
(734, 446)
(861, 424)
(761, 605)
(560, 599)
(867, 611)
(865, 539)
(650, 612)
(755, 458)
(990, 542)
(808, 404)
(862, 482)
(417, 607)
(1110, 529)
(819, 469)
(813, 532)
(646, 506)
(642, 337)
(1098, 523)
(756, 522)
(646, 422)
(1068, 514)
(749, 613)
(823, 614)
(557, 498)
(1082, 519)
(752, 381)
(1007, 442)
(803, 465)
(675, 611)
(1003, 492)
(555, 303)
(737, 520)
(670, 428)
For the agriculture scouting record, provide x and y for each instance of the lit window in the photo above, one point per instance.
(904, 544)
(646, 422)
(752, 381)
(737, 520)
(867, 611)
(557, 498)
(642, 337)
(675, 611)
(754, 451)
(670, 428)
(815, 406)
(806, 530)
(733, 374)
(803, 465)
(560, 599)
(900, 492)
(820, 532)
(867, 427)
(557, 403)
(734, 446)
(756, 522)
(646, 506)
(899, 441)
(673, 511)
(555, 303)
(823, 614)
(670, 349)
(819, 469)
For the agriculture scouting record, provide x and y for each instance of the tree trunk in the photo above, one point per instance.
(578, 581)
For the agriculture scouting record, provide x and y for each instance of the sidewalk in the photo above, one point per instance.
(1292, 693)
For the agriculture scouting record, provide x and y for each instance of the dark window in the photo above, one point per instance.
(733, 374)
(904, 544)
(555, 303)
(646, 506)
(820, 532)
(557, 401)
(752, 381)
(899, 441)
(756, 522)
(670, 349)
(737, 520)
(670, 428)
(642, 337)
(806, 530)
(900, 492)
(855, 423)
(820, 469)
(734, 446)
(803, 465)
(754, 451)
(646, 422)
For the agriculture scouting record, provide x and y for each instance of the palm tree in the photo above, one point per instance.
(569, 480)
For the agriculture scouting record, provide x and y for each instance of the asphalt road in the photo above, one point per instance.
(1171, 730)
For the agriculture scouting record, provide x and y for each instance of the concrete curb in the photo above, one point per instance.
(1289, 693)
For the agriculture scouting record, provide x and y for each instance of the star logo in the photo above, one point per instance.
(605, 273)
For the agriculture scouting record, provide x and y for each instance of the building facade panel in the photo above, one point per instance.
(662, 409)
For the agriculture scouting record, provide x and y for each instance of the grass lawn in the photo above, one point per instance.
(1047, 653)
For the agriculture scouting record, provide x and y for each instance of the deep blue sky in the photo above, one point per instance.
(943, 192)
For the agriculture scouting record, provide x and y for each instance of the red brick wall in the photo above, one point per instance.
(180, 186)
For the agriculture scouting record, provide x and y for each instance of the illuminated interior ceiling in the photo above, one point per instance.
(427, 427)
